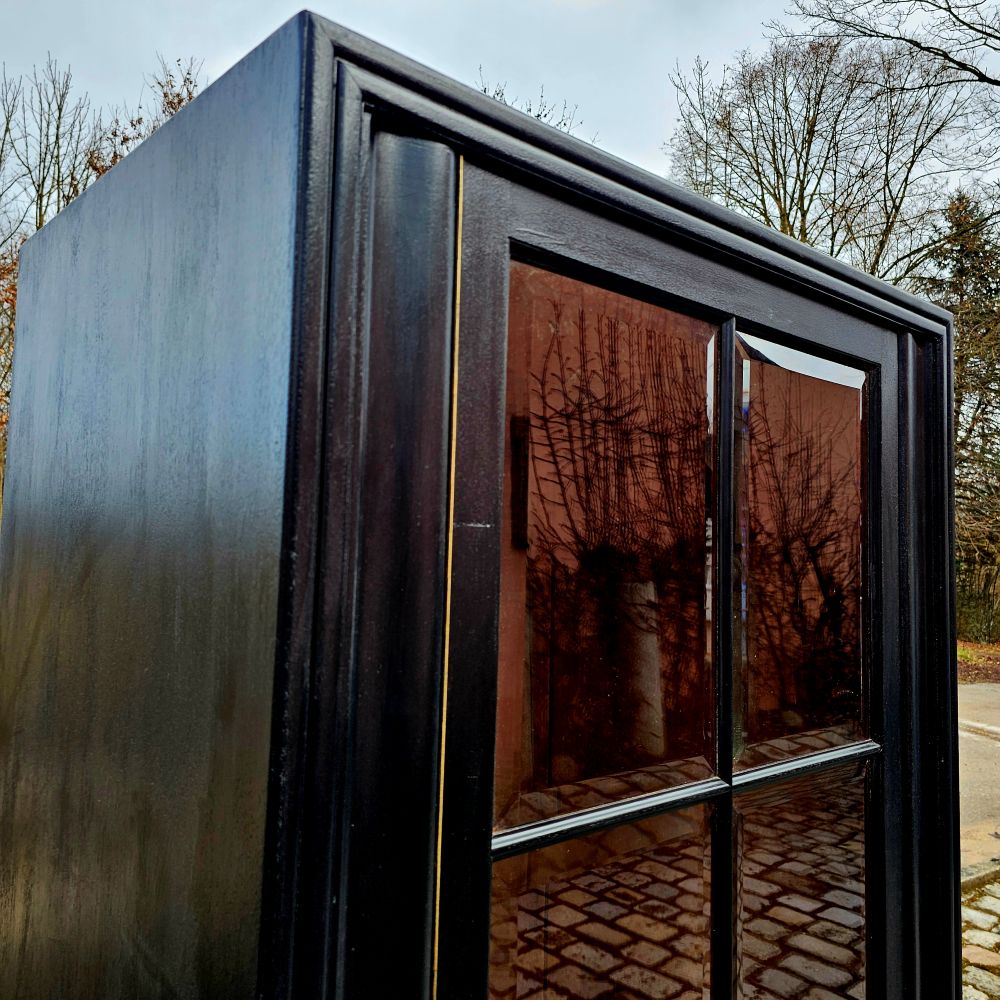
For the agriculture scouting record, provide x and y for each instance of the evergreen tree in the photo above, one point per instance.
(967, 283)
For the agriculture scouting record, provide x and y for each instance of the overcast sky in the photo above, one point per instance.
(609, 57)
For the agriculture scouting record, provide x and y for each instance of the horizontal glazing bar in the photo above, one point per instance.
(796, 767)
(554, 831)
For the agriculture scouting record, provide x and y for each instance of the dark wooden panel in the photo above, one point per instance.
(288, 821)
(164, 516)
(579, 168)
(504, 220)
(392, 824)
(140, 555)
(468, 773)
(926, 575)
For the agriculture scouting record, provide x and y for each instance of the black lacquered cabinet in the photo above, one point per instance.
(440, 560)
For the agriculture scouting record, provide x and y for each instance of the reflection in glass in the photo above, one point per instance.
(605, 679)
(798, 488)
(619, 913)
(801, 889)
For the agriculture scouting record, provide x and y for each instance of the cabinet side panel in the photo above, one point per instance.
(139, 556)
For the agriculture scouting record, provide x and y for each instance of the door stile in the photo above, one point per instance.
(723, 893)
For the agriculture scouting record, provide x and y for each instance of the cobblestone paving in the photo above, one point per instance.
(624, 914)
(981, 943)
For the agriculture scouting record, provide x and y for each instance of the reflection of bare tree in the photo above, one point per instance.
(802, 570)
(619, 446)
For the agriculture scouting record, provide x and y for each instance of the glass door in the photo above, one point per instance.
(664, 769)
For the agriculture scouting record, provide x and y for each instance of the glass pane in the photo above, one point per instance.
(801, 889)
(605, 672)
(799, 494)
(619, 913)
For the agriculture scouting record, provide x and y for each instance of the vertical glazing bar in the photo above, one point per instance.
(739, 586)
(722, 531)
(723, 896)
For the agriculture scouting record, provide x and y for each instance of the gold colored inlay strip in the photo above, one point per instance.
(448, 562)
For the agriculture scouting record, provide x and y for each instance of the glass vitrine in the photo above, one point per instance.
(680, 706)
(493, 573)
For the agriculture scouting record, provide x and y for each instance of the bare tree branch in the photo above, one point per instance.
(850, 147)
(958, 35)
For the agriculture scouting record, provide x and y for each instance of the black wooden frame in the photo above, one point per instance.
(359, 861)
(506, 221)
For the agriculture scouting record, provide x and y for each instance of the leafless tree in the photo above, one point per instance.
(848, 147)
(52, 146)
(962, 37)
(53, 132)
(560, 116)
(167, 91)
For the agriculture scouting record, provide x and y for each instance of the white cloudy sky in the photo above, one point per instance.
(609, 57)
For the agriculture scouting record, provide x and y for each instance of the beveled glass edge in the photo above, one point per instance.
(524, 839)
(795, 767)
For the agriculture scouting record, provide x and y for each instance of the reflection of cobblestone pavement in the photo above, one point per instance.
(623, 915)
(533, 806)
(981, 943)
(796, 745)
(801, 926)
(632, 926)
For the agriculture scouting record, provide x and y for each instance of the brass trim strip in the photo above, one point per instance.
(448, 562)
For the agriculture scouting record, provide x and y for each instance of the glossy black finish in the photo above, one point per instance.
(296, 685)
(141, 548)
(223, 560)
(401, 579)
(722, 941)
(511, 219)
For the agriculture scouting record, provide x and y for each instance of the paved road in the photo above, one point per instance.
(979, 771)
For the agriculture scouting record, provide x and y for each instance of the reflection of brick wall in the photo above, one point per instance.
(610, 669)
(802, 521)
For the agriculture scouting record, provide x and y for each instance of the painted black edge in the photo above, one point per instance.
(877, 914)
(467, 809)
(303, 474)
(798, 767)
(723, 517)
(872, 640)
(947, 778)
(902, 740)
(570, 183)
(879, 452)
(482, 110)
(934, 675)
(888, 830)
(554, 831)
(724, 914)
(548, 231)
(316, 942)
(723, 883)
(394, 747)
